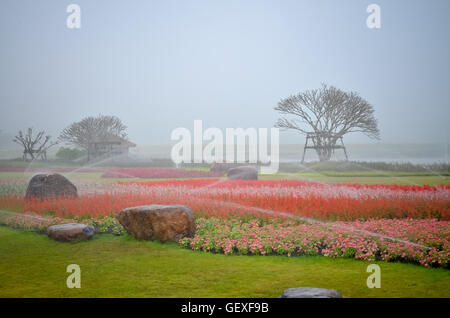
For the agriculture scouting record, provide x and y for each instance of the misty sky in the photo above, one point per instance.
(159, 65)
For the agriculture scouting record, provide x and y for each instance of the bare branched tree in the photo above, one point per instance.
(328, 113)
(83, 132)
(34, 146)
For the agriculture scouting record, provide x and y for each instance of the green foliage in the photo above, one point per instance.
(70, 154)
(107, 224)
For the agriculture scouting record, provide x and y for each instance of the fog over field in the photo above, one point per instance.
(159, 65)
(417, 153)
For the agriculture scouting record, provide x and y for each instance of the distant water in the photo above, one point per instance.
(412, 152)
(418, 153)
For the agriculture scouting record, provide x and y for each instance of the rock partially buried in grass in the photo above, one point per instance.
(158, 222)
(310, 292)
(50, 186)
(243, 173)
(70, 232)
(221, 166)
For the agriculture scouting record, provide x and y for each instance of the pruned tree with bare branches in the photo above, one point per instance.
(83, 132)
(34, 146)
(328, 114)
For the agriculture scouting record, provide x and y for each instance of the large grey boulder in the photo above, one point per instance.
(310, 292)
(158, 222)
(50, 186)
(70, 232)
(243, 173)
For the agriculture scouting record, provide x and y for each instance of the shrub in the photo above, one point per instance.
(70, 154)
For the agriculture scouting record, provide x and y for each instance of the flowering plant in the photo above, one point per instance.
(424, 242)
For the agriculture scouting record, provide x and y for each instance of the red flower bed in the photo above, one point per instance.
(270, 199)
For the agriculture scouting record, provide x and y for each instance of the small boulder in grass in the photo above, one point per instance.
(221, 166)
(310, 292)
(70, 232)
(158, 222)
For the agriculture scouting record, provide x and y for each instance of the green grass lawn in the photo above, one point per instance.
(370, 178)
(32, 265)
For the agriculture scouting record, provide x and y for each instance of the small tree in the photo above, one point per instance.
(82, 133)
(34, 146)
(327, 113)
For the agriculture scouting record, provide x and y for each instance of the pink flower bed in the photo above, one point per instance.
(153, 173)
(424, 242)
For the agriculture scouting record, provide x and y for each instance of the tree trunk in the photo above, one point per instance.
(324, 147)
(324, 154)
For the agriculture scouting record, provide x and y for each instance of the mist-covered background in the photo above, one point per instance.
(159, 65)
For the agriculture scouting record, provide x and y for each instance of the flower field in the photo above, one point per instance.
(114, 172)
(424, 242)
(155, 173)
(269, 199)
(281, 217)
